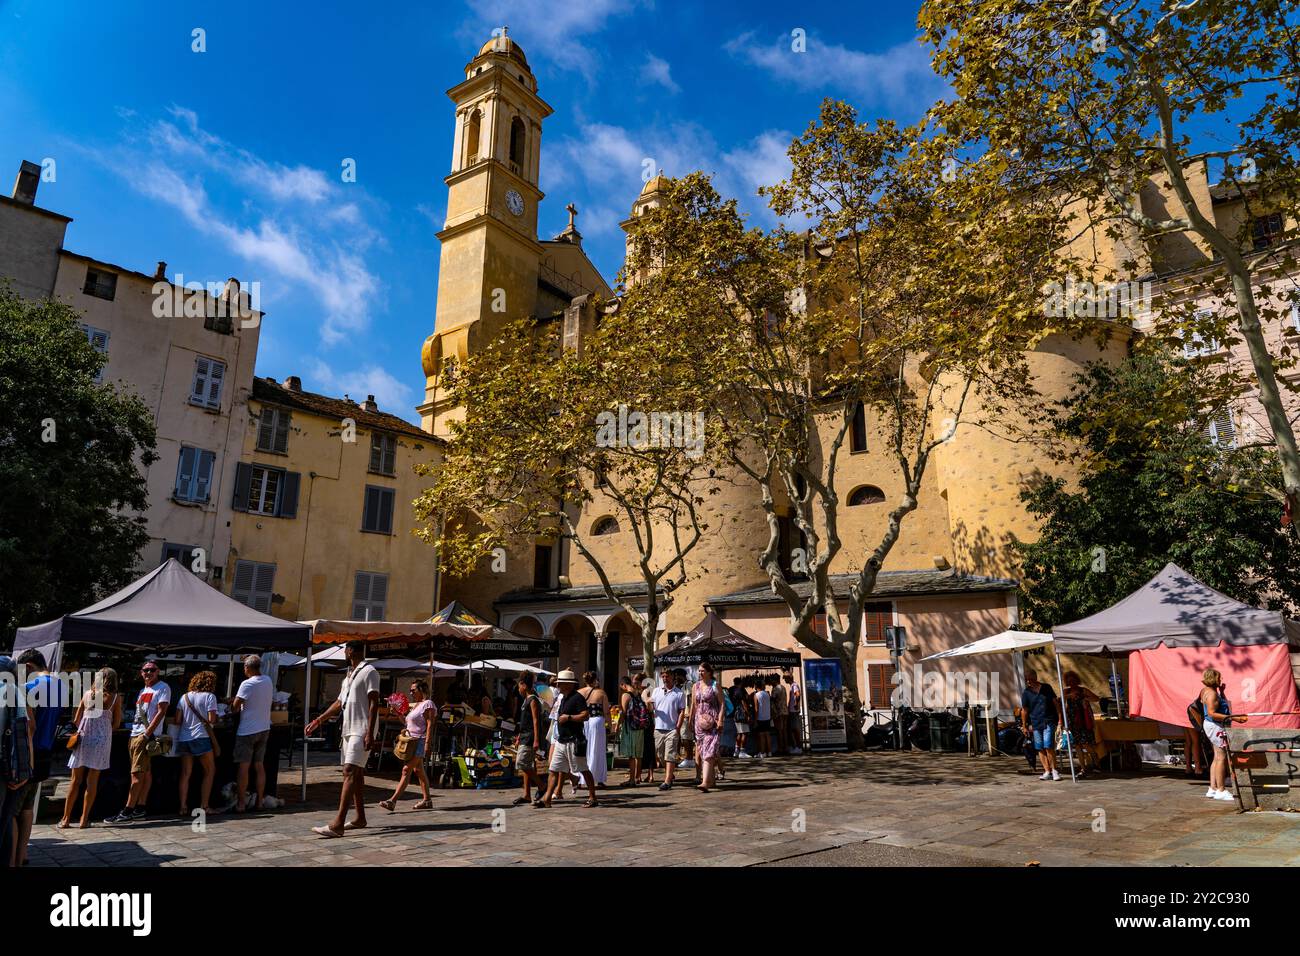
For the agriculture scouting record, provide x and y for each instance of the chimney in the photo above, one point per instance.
(160, 274)
(293, 383)
(369, 404)
(29, 177)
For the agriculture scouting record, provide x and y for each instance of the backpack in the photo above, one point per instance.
(15, 757)
(638, 715)
(542, 732)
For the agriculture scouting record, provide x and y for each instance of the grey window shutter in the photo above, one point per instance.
(242, 590)
(185, 473)
(370, 510)
(361, 597)
(378, 596)
(203, 475)
(386, 510)
(243, 478)
(390, 455)
(202, 368)
(266, 429)
(288, 504)
(376, 451)
(216, 374)
(281, 430)
(263, 580)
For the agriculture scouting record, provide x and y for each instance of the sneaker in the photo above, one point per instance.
(1225, 795)
(137, 813)
(123, 817)
(1055, 775)
(687, 764)
(797, 751)
(1045, 776)
(1212, 793)
(665, 786)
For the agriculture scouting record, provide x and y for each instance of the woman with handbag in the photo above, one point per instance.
(706, 710)
(97, 716)
(196, 715)
(411, 745)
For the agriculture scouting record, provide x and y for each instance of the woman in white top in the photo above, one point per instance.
(594, 730)
(196, 713)
(98, 715)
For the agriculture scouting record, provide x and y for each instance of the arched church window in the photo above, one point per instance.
(473, 134)
(606, 525)
(517, 142)
(866, 495)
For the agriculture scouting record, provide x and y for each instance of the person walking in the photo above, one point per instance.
(1040, 714)
(530, 738)
(794, 712)
(15, 759)
(1077, 701)
(98, 714)
(597, 704)
(44, 698)
(740, 705)
(358, 702)
(632, 729)
(420, 721)
(776, 690)
(669, 708)
(150, 715)
(1217, 716)
(568, 755)
(649, 757)
(196, 713)
(253, 705)
(707, 706)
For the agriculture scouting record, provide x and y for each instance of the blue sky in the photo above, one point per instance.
(228, 162)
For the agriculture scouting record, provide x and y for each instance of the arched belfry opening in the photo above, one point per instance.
(473, 137)
(518, 144)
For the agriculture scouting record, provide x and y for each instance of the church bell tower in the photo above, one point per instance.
(488, 267)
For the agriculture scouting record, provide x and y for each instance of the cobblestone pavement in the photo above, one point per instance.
(989, 811)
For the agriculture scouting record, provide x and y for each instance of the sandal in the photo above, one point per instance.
(591, 803)
(423, 805)
(520, 801)
(389, 805)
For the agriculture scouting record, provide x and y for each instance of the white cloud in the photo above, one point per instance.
(900, 77)
(391, 395)
(657, 71)
(301, 230)
(544, 30)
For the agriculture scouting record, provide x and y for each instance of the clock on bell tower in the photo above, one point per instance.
(489, 259)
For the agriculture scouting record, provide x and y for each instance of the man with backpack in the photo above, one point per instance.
(532, 725)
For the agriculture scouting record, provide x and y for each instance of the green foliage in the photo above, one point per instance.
(69, 524)
(1154, 489)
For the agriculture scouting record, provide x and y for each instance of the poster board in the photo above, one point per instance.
(824, 704)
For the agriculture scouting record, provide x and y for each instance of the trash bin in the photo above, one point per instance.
(941, 732)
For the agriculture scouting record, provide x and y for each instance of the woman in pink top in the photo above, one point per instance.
(420, 720)
(706, 712)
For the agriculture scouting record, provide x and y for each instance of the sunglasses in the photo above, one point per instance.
(148, 670)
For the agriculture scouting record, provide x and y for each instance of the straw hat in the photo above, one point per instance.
(566, 677)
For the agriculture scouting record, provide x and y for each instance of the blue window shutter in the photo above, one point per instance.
(287, 507)
(185, 473)
(200, 389)
(386, 510)
(243, 478)
(203, 476)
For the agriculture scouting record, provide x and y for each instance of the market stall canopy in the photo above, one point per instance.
(457, 613)
(1177, 610)
(170, 608)
(456, 643)
(716, 642)
(1008, 642)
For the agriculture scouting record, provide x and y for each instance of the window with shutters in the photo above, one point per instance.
(1266, 230)
(194, 474)
(264, 490)
(377, 514)
(542, 579)
(253, 583)
(1295, 316)
(1220, 429)
(100, 284)
(184, 553)
(876, 616)
(370, 597)
(880, 686)
(858, 429)
(98, 339)
(209, 374)
(383, 453)
(273, 430)
(1195, 345)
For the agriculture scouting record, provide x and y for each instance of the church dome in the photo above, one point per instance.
(656, 184)
(504, 44)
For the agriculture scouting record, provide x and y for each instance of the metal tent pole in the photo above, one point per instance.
(1065, 716)
(306, 719)
(1114, 686)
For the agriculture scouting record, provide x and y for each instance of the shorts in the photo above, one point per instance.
(251, 748)
(666, 744)
(1045, 737)
(764, 727)
(688, 730)
(1218, 736)
(140, 759)
(352, 750)
(565, 758)
(28, 801)
(194, 748)
(526, 758)
(742, 728)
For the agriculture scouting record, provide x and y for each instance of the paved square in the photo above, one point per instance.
(867, 808)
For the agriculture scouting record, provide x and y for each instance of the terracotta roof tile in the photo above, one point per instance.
(269, 390)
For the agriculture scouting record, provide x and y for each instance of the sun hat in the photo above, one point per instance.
(566, 677)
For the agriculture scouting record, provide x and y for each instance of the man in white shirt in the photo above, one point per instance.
(150, 716)
(253, 705)
(794, 712)
(763, 719)
(359, 704)
(669, 704)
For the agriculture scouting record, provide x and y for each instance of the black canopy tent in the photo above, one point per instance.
(450, 643)
(715, 642)
(169, 609)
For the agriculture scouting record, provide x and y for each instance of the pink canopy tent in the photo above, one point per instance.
(1164, 680)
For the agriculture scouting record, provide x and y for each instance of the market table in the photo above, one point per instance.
(1112, 732)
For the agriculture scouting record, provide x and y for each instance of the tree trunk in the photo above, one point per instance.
(852, 699)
